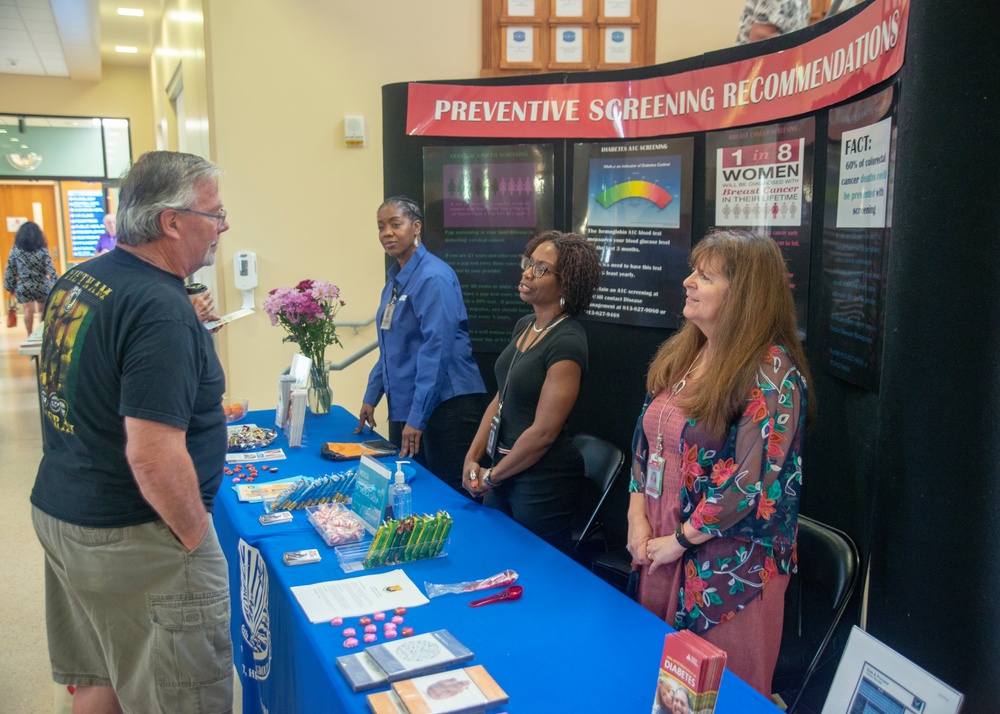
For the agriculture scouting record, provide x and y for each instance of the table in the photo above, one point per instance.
(572, 643)
(32, 347)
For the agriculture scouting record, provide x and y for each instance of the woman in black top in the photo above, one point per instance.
(534, 470)
(30, 272)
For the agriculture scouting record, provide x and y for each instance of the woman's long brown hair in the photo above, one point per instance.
(758, 312)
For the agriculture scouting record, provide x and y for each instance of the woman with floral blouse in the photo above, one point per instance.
(30, 272)
(717, 465)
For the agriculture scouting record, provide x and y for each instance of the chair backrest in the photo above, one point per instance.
(602, 462)
(817, 596)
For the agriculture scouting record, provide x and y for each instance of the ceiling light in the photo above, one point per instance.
(126, 50)
(130, 12)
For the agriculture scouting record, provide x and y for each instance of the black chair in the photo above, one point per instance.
(602, 462)
(815, 601)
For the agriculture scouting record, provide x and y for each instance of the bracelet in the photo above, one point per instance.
(485, 476)
(682, 540)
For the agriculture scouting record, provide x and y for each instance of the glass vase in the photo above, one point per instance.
(320, 395)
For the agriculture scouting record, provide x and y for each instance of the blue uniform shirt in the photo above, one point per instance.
(425, 357)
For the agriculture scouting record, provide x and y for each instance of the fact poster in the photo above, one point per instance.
(856, 231)
(633, 201)
(760, 178)
(482, 204)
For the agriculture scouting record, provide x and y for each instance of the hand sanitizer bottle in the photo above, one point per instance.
(401, 494)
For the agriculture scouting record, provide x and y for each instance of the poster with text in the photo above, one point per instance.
(760, 179)
(633, 201)
(482, 206)
(856, 232)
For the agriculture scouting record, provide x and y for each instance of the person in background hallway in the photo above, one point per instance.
(137, 589)
(425, 367)
(109, 237)
(763, 19)
(535, 470)
(30, 271)
(717, 466)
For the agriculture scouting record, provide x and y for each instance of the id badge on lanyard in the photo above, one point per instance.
(654, 475)
(491, 440)
(389, 309)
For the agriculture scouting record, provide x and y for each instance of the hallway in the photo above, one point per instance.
(26, 686)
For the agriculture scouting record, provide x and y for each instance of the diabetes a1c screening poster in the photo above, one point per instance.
(482, 204)
(633, 202)
(760, 178)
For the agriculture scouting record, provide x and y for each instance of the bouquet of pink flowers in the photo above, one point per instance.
(306, 312)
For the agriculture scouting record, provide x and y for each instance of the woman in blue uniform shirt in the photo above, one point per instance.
(425, 367)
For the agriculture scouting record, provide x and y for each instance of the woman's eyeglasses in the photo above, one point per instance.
(537, 269)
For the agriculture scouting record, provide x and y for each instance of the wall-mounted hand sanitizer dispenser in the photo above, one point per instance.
(245, 278)
(246, 270)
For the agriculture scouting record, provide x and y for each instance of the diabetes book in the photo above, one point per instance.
(690, 669)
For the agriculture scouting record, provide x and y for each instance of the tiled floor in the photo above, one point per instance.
(25, 681)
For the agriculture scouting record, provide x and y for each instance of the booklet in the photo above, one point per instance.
(471, 689)
(250, 456)
(257, 492)
(401, 659)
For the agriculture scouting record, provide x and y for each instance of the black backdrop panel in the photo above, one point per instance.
(910, 473)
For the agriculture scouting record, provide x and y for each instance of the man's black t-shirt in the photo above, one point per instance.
(122, 340)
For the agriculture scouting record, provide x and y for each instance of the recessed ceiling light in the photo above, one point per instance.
(130, 11)
(3, 131)
(126, 50)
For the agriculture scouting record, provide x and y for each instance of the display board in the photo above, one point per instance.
(761, 179)
(482, 204)
(633, 201)
(83, 207)
(856, 231)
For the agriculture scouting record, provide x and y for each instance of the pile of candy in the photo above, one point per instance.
(246, 437)
(250, 476)
(336, 523)
(332, 488)
(371, 629)
(409, 539)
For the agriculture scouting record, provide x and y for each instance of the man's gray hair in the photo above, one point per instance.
(157, 181)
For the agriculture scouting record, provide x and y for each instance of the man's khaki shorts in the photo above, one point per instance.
(130, 608)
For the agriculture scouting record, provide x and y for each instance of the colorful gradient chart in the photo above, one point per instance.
(634, 189)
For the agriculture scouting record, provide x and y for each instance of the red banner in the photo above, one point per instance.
(845, 61)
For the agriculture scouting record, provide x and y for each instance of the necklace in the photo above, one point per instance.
(552, 323)
(674, 391)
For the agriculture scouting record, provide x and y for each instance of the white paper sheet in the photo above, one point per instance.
(358, 596)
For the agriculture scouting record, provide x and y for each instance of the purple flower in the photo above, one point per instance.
(306, 312)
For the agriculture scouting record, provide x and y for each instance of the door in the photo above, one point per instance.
(29, 201)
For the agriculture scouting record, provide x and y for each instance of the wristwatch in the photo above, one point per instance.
(485, 476)
(682, 540)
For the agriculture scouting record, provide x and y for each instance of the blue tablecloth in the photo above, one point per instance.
(571, 644)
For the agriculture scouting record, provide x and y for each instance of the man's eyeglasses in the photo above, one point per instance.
(220, 217)
(537, 269)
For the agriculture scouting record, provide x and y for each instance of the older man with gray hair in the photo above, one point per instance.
(137, 593)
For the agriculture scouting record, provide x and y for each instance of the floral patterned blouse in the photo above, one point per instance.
(29, 274)
(743, 488)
